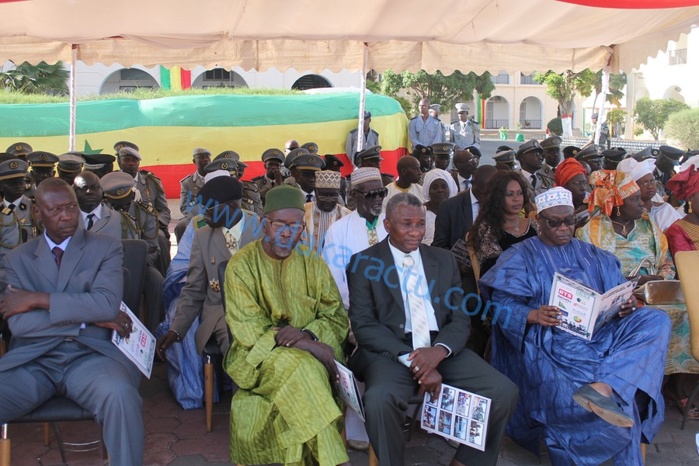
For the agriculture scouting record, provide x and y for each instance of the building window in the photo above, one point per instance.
(501, 78)
(310, 81)
(217, 74)
(133, 74)
(677, 57)
(527, 79)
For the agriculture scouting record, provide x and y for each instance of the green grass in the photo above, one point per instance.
(10, 97)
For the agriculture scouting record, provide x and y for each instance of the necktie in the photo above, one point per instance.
(11, 207)
(418, 317)
(533, 180)
(90, 221)
(466, 185)
(57, 254)
(309, 197)
(231, 243)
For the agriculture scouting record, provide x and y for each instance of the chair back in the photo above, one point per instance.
(222, 281)
(135, 257)
(687, 263)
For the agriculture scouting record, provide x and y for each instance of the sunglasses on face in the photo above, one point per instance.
(369, 195)
(555, 223)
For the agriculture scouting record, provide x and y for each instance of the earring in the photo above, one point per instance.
(690, 207)
(618, 211)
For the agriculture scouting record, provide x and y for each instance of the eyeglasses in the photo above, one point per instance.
(369, 195)
(280, 226)
(555, 223)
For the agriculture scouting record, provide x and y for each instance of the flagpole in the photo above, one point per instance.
(71, 90)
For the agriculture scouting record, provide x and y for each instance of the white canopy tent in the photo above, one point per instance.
(468, 35)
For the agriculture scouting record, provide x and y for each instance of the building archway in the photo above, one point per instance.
(497, 113)
(531, 112)
(128, 80)
(219, 77)
(311, 81)
(675, 93)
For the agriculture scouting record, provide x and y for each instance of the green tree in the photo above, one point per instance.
(652, 115)
(683, 126)
(445, 90)
(616, 119)
(564, 87)
(36, 79)
(617, 82)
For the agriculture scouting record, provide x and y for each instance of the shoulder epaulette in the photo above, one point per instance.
(143, 206)
(258, 178)
(185, 178)
(414, 117)
(354, 130)
(251, 186)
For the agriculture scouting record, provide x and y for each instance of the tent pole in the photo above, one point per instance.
(362, 103)
(602, 113)
(73, 104)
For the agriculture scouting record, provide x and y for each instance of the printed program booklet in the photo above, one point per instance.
(349, 392)
(139, 347)
(583, 310)
(457, 415)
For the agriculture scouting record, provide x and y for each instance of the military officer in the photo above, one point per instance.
(505, 159)
(149, 185)
(311, 147)
(252, 200)
(612, 157)
(592, 156)
(425, 130)
(120, 191)
(99, 164)
(43, 166)
(371, 139)
(530, 156)
(570, 151)
(552, 157)
(20, 149)
(191, 184)
(273, 159)
(646, 153)
(443, 153)
(435, 109)
(303, 169)
(16, 214)
(289, 161)
(70, 165)
(465, 131)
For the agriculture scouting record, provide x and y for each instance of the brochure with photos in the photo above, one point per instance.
(349, 392)
(457, 415)
(139, 347)
(583, 310)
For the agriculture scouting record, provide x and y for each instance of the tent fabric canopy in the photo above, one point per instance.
(469, 35)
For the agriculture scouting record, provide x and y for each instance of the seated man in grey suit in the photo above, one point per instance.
(61, 302)
(405, 312)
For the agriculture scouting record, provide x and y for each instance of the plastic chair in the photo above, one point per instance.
(687, 263)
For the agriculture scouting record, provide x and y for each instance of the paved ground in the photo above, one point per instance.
(178, 438)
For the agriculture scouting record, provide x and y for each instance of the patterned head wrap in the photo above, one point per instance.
(567, 170)
(611, 187)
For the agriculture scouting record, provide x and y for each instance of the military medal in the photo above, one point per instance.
(214, 284)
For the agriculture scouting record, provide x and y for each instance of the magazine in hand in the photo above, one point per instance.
(349, 392)
(457, 415)
(583, 310)
(139, 347)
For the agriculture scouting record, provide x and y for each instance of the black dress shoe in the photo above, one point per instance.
(604, 407)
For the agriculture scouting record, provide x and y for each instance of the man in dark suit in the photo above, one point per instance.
(411, 335)
(62, 288)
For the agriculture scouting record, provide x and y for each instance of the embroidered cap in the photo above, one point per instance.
(557, 196)
(328, 179)
(364, 174)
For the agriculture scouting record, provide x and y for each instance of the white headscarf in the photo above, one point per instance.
(438, 174)
(635, 169)
(215, 174)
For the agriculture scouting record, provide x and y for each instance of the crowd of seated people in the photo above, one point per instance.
(441, 275)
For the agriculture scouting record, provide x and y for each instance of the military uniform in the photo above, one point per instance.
(425, 132)
(252, 201)
(264, 184)
(20, 150)
(190, 186)
(153, 194)
(26, 218)
(547, 177)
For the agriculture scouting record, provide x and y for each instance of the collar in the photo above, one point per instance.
(399, 255)
(462, 179)
(526, 174)
(196, 177)
(473, 198)
(97, 211)
(372, 225)
(52, 245)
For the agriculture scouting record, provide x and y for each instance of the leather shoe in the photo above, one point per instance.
(359, 445)
(604, 407)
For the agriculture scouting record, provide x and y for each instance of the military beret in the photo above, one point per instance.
(529, 146)
(229, 165)
(273, 154)
(289, 161)
(221, 189)
(311, 147)
(570, 151)
(70, 162)
(129, 152)
(117, 185)
(200, 151)
(647, 153)
(121, 144)
(333, 162)
(590, 152)
(671, 153)
(443, 148)
(369, 153)
(309, 162)
(42, 159)
(505, 156)
(474, 151)
(420, 150)
(228, 154)
(97, 161)
(553, 141)
(13, 168)
(19, 149)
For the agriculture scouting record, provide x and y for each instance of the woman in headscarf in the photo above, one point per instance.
(683, 235)
(437, 187)
(624, 229)
(570, 174)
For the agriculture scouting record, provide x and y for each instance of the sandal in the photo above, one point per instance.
(693, 412)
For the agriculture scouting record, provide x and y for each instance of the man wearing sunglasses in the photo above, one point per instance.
(615, 377)
(289, 326)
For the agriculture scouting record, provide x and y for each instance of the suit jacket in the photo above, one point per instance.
(86, 289)
(454, 220)
(376, 307)
(113, 224)
(202, 291)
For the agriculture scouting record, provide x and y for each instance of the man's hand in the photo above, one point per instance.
(278, 178)
(164, 342)
(628, 307)
(18, 301)
(424, 360)
(431, 382)
(288, 336)
(122, 324)
(323, 353)
(546, 316)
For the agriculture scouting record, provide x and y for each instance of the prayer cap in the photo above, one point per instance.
(129, 152)
(273, 154)
(283, 197)
(364, 174)
(221, 189)
(42, 159)
(117, 185)
(200, 151)
(19, 149)
(71, 162)
(13, 168)
(567, 170)
(328, 179)
(553, 197)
